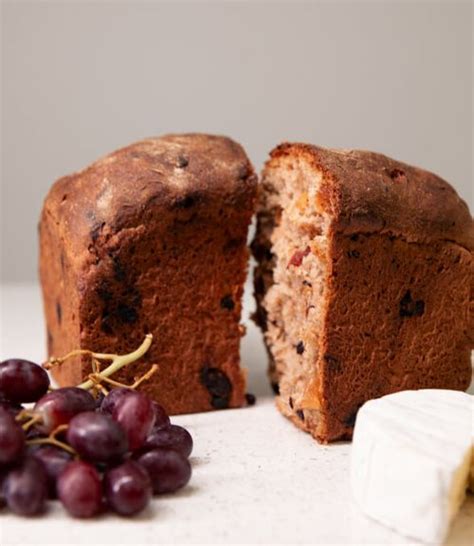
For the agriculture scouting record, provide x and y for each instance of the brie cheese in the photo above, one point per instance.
(412, 460)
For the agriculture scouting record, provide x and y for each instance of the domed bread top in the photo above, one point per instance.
(172, 173)
(369, 192)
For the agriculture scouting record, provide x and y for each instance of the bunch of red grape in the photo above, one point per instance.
(110, 451)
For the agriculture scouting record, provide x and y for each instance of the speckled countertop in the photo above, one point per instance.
(257, 479)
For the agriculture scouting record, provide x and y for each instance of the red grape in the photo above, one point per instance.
(80, 489)
(59, 406)
(12, 438)
(161, 417)
(135, 414)
(168, 469)
(54, 461)
(172, 437)
(12, 407)
(108, 403)
(22, 381)
(3, 476)
(25, 488)
(97, 437)
(127, 488)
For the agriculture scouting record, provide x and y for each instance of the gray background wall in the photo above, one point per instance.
(80, 79)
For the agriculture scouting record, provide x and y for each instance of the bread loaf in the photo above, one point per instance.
(364, 283)
(152, 238)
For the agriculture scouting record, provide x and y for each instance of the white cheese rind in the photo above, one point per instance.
(411, 458)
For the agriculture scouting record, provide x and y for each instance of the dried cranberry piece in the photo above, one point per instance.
(298, 255)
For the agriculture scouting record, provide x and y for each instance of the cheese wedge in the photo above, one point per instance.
(412, 460)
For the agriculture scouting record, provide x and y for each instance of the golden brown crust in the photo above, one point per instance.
(152, 238)
(367, 192)
(397, 319)
(117, 189)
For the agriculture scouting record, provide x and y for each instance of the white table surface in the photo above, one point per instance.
(256, 478)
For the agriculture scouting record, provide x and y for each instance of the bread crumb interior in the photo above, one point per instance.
(296, 233)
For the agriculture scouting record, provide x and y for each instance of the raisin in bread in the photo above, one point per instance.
(364, 283)
(152, 238)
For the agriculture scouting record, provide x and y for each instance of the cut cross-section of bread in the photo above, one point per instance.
(153, 239)
(364, 282)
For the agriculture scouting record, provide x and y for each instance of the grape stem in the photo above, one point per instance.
(118, 361)
(97, 378)
(57, 430)
(52, 441)
(31, 422)
(24, 414)
(95, 366)
(30, 416)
